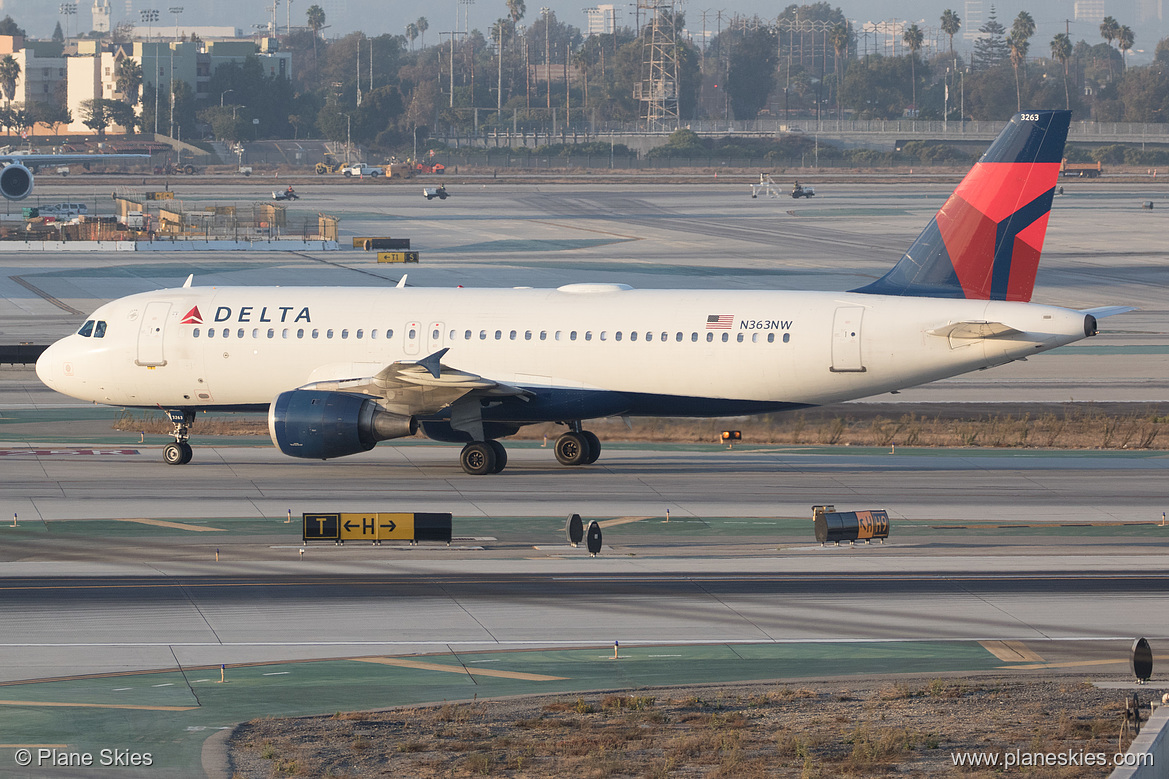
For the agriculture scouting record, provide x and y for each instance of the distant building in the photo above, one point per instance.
(1091, 11)
(602, 20)
(974, 18)
(101, 16)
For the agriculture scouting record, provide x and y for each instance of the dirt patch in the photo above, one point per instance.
(903, 727)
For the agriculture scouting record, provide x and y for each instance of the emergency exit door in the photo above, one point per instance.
(846, 340)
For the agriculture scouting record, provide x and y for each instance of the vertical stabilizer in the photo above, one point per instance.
(985, 242)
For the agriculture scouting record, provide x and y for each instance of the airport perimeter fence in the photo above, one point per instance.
(506, 160)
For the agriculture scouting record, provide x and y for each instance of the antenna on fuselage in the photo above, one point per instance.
(187, 283)
(401, 282)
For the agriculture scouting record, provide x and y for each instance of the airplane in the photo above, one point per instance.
(340, 369)
(16, 169)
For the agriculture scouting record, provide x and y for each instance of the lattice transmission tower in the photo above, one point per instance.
(658, 88)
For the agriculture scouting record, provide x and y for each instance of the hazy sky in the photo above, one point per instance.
(375, 17)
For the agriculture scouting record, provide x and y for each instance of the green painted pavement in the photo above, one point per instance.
(533, 245)
(175, 738)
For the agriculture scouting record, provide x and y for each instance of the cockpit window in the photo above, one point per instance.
(99, 330)
(86, 329)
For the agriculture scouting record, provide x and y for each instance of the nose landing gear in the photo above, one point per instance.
(180, 452)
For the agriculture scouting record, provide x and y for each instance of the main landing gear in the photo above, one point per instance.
(576, 447)
(180, 452)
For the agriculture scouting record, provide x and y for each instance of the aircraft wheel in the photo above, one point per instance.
(188, 452)
(500, 456)
(174, 454)
(572, 449)
(478, 458)
(594, 446)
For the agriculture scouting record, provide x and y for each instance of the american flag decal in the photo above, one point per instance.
(192, 317)
(720, 321)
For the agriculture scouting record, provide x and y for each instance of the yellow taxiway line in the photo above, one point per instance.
(458, 669)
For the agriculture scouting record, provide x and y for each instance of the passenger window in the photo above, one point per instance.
(754, 338)
(345, 334)
(649, 336)
(617, 336)
(284, 333)
(633, 336)
(316, 333)
(694, 337)
(86, 329)
(482, 335)
(603, 337)
(453, 334)
(271, 333)
(512, 335)
(771, 338)
(543, 335)
(412, 334)
(195, 332)
(329, 333)
(527, 335)
(300, 333)
(498, 335)
(239, 333)
(210, 332)
(373, 334)
(726, 337)
(665, 336)
(467, 335)
(389, 334)
(739, 338)
(787, 337)
(588, 335)
(227, 332)
(572, 336)
(255, 332)
(433, 334)
(99, 329)
(678, 337)
(709, 337)
(557, 335)
(360, 333)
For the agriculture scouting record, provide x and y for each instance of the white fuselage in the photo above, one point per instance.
(245, 345)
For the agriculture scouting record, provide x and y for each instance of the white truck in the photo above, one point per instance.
(361, 169)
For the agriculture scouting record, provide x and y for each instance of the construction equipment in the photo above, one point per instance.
(173, 169)
(1084, 170)
(403, 170)
(329, 165)
(436, 168)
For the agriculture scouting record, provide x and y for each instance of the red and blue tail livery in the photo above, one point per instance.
(985, 242)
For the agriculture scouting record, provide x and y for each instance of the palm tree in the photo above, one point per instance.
(411, 34)
(1124, 42)
(913, 38)
(840, 37)
(951, 24)
(1061, 51)
(128, 79)
(423, 26)
(9, 73)
(516, 10)
(316, 21)
(1109, 31)
(1018, 45)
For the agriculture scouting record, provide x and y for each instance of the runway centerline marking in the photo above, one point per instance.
(1074, 664)
(604, 523)
(458, 669)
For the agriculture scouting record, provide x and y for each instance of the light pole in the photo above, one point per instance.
(177, 11)
(67, 10)
(224, 95)
(547, 58)
(150, 16)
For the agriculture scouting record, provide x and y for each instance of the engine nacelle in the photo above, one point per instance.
(320, 425)
(15, 181)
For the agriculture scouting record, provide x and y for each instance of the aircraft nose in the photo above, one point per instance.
(46, 365)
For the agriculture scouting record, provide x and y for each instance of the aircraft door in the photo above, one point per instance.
(150, 334)
(435, 335)
(412, 333)
(846, 340)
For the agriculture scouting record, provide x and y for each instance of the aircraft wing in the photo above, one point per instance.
(420, 387)
(66, 159)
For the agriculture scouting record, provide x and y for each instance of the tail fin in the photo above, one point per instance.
(985, 242)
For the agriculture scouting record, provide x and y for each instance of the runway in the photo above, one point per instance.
(1060, 550)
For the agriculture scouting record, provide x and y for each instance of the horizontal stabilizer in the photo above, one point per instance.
(1107, 311)
(972, 330)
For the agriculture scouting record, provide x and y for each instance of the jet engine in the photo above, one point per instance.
(318, 425)
(15, 181)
